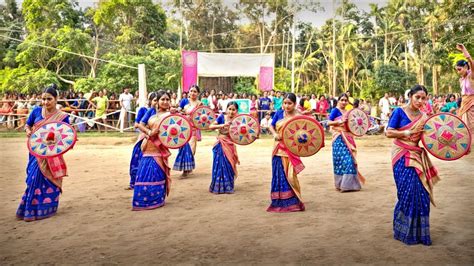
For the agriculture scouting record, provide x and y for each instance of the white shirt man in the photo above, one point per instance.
(210, 100)
(384, 104)
(313, 102)
(265, 123)
(222, 104)
(126, 99)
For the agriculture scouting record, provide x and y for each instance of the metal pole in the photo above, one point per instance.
(142, 91)
(293, 57)
(178, 92)
(334, 71)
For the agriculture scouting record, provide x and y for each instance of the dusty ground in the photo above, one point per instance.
(95, 223)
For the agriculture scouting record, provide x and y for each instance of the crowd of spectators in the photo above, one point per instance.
(104, 107)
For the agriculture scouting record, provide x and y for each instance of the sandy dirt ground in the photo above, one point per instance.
(95, 224)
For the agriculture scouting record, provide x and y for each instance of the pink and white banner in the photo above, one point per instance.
(190, 70)
(265, 81)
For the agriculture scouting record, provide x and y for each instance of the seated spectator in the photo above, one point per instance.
(301, 107)
(265, 124)
(451, 105)
(322, 107)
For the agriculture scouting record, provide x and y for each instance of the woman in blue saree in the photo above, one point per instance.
(185, 158)
(137, 152)
(344, 150)
(224, 166)
(43, 184)
(413, 171)
(152, 184)
(285, 191)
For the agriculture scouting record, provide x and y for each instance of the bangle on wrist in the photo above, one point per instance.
(149, 132)
(466, 54)
(407, 133)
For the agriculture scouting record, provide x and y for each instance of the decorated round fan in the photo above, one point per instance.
(202, 117)
(303, 135)
(244, 129)
(446, 137)
(357, 122)
(174, 131)
(52, 139)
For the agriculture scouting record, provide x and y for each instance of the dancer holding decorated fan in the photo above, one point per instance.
(346, 174)
(413, 171)
(50, 136)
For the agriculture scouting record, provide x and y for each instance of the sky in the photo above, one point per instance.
(316, 19)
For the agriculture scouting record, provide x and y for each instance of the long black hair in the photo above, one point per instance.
(302, 100)
(416, 89)
(462, 63)
(51, 89)
(151, 96)
(291, 96)
(448, 98)
(356, 103)
(234, 103)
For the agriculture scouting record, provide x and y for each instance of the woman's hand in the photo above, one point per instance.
(152, 132)
(226, 125)
(173, 110)
(28, 132)
(277, 137)
(412, 135)
(460, 47)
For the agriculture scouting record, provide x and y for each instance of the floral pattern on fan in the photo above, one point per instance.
(357, 122)
(244, 129)
(52, 139)
(446, 137)
(174, 131)
(202, 117)
(303, 135)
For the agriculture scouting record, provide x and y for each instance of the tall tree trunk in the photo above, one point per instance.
(329, 70)
(262, 39)
(385, 43)
(422, 71)
(287, 49)
(406, 56)
(282, 62)
(435, 79)
(435, 67)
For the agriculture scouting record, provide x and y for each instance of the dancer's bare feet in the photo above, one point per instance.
(186, 173)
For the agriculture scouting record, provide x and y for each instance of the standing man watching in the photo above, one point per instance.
(384, 104)
(125, 100)
(264, 105)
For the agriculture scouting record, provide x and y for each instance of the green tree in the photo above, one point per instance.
(24, 79)
(131, 23)
(40, 15)
(391, 78)
(208, 25)
(11, 23)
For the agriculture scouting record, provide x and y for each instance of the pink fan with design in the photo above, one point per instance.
(244, 129)
(52, 139)
(202, 117)
(303, 135)
(446, 137)
(174, 131)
